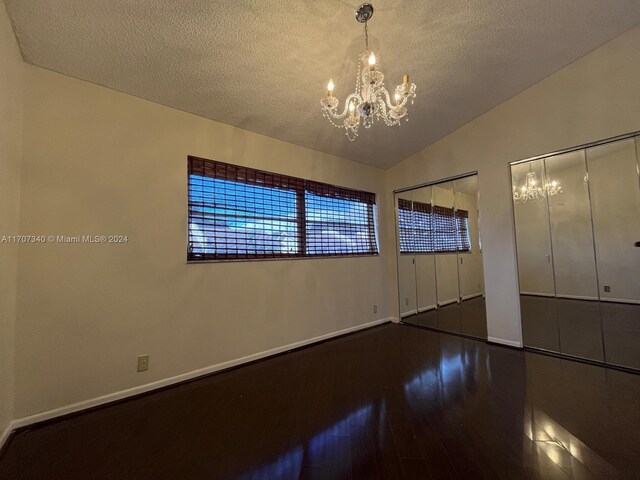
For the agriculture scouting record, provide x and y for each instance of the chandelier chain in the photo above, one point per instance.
(366, 36)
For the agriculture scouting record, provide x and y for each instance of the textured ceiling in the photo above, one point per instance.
(263, 65)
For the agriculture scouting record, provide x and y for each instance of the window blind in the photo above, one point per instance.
(405, 226)
(422, 227)
(242, 213)
(462, 222)
(426, 228)
(444, 230)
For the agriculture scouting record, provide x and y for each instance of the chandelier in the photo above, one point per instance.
(532, 190)
(370, 101)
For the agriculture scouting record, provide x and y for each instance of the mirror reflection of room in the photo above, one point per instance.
(577, 218)
(440, 274)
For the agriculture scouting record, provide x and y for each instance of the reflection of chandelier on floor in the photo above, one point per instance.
(532, 190)
(370, 100)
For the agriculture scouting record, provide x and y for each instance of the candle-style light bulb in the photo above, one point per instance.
(372, 61)
(405, 80)
(397, 98)
(330, 87)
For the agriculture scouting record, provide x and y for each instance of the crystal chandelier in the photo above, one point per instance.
(531, 190)
(371, 100)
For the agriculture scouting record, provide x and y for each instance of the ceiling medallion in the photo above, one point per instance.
(370, 101)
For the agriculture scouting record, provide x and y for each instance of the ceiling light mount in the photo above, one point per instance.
(364, 13)
(370, 101)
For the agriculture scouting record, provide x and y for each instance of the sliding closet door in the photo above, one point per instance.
(473, 318)
(425, 260)
(446, 261)
(615, 202)
(535, 257)
(571, 227)
(593, 197)
(469, 253)
(438, 252)
(406, 259)
(533, 234)
(579, 327)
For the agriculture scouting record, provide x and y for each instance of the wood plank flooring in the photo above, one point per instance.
(393, 402)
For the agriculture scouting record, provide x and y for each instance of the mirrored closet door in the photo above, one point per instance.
(577, 221)
(440, 274)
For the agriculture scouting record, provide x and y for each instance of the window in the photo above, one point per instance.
(462, 221)
(405, 226)
(423, 234)
(445, 233)
(426, 228)
(241, 213)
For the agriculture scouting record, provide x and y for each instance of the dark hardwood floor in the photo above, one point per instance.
(393, 402)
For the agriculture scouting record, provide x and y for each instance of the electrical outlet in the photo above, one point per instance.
(143, 363)
(375, 309)
(607, 288)
(406, 301)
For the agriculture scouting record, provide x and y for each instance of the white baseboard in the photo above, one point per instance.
(502, 341)
(408, 313)
(94, 402)
(447, 302)
(473, 295)
(426, 309)
(620, 300)
(577, 297)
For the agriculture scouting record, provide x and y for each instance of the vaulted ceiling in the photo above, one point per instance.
(263, 65)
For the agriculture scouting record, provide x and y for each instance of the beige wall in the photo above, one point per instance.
(594, 98)
(97, 162)
(11, 75)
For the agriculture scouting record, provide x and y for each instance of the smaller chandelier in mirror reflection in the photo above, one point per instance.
(534, 190)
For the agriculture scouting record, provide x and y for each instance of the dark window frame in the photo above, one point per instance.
(302, 188)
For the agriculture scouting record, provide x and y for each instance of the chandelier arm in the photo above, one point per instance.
(345, 112)
(405, 99)
(406, 93)
(388, 120)
(387, 98)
